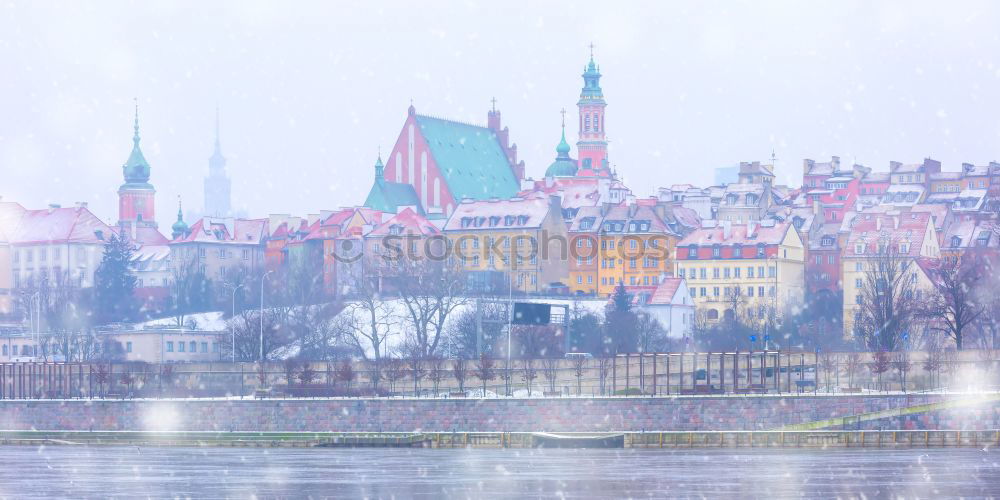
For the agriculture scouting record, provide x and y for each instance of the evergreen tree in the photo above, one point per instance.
(114, 283)
(620, 323)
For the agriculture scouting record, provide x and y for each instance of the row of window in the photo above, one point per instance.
(191, 347)
(727, 272)
(730, 291)
(44, 254)
(737, 251)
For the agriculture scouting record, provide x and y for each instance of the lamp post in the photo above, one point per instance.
(232, 328)
(262, 278)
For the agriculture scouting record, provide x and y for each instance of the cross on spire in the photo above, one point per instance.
(563, 113)
(591, 50)
(135, 137)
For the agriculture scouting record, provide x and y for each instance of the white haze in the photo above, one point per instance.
(310, 91)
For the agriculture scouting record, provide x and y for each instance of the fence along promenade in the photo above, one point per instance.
(650, 374)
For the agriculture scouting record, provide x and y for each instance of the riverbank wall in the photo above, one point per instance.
(609, 414)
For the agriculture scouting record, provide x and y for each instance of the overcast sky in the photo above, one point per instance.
(309, 92)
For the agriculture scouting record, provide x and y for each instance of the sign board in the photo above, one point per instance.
(527, 313)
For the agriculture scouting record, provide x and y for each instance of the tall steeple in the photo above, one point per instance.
(592, 145)
(136, 168)
(218, 187)
(136, 197)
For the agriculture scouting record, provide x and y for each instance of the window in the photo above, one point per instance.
(770, 291)
(170, 346)
(857, 299)
(760, 250)
(749, 271)
(194, 346)
(702, 274)
(128, 347)
(772, 272)
(631, 263)
(715, 273)
(5, 350)
(858, 266)
(590, 280)
(204, 347)
(180, 347)
(716, 251)
(715, 291)
(736, 272)
(246, 254)
(760, 291)
(830, 259)
(704, 293)
(857, 283)
(579, 280)
(760, 271)
(681, 272)
(750, 291)
(693, 252)
(726, 273)
(215, 347)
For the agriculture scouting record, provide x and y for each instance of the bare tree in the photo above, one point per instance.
(365, 324)
(528, 373)
(485, 371)
(346, 374)
(550, 370)
(395, 370)
(853, 363)
(417, 371)
(430, 291)
(901, 363)
(436, 371)
(889, 300)
(956, 305)
(649, 332)
(603, 370)
(579, 365)
(460, 371)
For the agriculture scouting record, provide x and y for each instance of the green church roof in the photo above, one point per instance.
(389, 196)
(470, 159)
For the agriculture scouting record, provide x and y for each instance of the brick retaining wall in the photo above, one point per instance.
(405, 415)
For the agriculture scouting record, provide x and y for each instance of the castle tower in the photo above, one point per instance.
(218, 202)
(592, 146)
(136, 196)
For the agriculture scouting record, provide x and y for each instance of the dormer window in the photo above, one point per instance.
(693, 252)
(956, 241)
(751, 199)
(983, 240)
(508, 220)
(760, 250)
(466, 222)
(737, 250)
(716, 251)
(522, 220)
(494, 220)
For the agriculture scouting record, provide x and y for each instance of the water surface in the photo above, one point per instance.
(79, 471)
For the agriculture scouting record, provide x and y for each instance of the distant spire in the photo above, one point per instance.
(591, 51)
(379, 167)
(494, 101)
(180, 211)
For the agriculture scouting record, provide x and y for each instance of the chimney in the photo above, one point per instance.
(807, 165)
(727, 230)
(835, 161)
(893, 165)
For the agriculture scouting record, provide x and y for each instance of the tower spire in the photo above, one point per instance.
(135, 127)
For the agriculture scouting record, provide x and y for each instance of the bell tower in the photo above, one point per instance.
(592, 146)
(136, 196)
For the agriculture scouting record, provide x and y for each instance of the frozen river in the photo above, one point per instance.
(76, 472)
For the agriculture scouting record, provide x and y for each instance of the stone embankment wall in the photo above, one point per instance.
(407, 415)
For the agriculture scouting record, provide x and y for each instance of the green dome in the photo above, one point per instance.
(180, 228)
(564, 166)
(561, 168)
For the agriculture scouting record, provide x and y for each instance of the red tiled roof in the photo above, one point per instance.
(411, 223)
(665, 291)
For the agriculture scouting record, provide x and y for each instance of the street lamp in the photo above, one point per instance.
(232, 327)
(262, 278)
